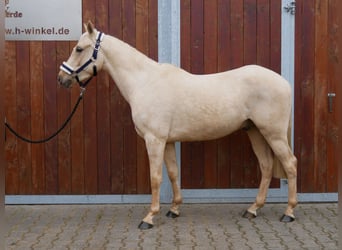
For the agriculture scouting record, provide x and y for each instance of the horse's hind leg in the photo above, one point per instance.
(282, 150)
(265, 157)
(172, 169)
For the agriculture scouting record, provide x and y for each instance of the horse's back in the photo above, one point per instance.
(249, 79)
(251, 88)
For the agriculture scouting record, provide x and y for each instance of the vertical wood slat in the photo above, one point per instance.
(334, 86)
(24, 116)
(103, 110)
(334, 164)
(77, 146)
(50, 111)
(304, 87)
(275, 35)
(263, 33)
(250, 32)
(64, 145)
(185, 29)
(90, 121)
(153, 29)
(321, 91)
(37, 117)
(237, 29)
(223, 35)
(307, 92)
(11, 149)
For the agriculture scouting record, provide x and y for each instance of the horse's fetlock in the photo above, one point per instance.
(293, 202)
(178, 200)
(155, 209)
(260, 202)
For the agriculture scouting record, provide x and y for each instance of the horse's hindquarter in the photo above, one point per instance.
(186, 107)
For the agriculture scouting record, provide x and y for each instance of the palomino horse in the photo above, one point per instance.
(169, 104)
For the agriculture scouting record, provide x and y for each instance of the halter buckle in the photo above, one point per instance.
(82, 91)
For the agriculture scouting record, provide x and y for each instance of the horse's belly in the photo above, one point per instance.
(188, 130)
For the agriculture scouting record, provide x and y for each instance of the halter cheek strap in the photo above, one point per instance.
(70, 70)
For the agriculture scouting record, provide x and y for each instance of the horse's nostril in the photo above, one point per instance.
(59, 79)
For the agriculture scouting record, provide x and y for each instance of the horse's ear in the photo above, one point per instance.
(89, 27)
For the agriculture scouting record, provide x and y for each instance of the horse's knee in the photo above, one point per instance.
(156, 180)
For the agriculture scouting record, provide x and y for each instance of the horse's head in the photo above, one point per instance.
(85, 59)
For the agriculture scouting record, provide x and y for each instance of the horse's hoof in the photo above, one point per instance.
(144, 225)
(248, 215)
(172, 215)
(287, 218)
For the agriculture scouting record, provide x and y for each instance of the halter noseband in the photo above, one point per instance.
(70, 71)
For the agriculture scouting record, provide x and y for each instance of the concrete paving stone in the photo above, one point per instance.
(330, 245)
(200, 226)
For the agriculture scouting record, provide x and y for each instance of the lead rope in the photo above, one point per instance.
(54, 134)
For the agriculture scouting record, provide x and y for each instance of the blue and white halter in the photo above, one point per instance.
(70, 71)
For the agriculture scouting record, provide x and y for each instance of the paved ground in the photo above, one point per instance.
(200, 226)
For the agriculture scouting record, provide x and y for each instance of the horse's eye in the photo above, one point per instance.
(79, 49)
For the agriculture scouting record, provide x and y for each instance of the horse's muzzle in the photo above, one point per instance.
(65, 80)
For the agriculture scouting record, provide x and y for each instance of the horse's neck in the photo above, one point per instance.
(128, 67)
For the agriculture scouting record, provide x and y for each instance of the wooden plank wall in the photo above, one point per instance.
(98, 152)
(216, 36)
(316, 129)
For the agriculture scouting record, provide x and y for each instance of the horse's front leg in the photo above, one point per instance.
(172, 170)
(155, 149)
